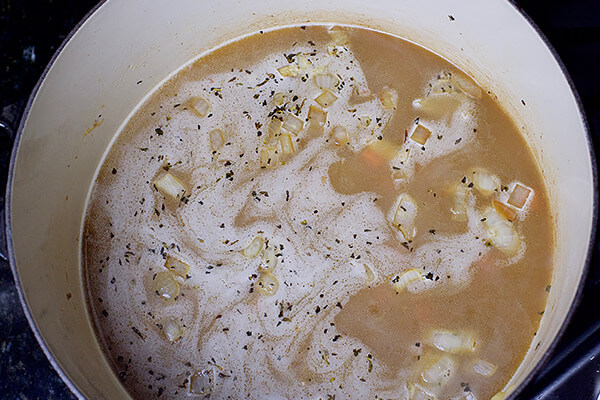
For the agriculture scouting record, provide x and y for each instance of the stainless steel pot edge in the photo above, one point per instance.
(7, 227)
(516, 392)
(577, 299)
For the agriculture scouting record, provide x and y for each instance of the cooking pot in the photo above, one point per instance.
(125, 48)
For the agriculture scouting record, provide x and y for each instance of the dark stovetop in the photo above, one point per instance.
(31, 32)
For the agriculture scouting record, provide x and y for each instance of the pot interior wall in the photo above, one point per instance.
(128, 47)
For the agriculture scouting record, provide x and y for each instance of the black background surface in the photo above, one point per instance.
(30, 33)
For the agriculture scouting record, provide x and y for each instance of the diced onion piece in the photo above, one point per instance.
(467, 86)
(217, 139)
(437, 106)
(399, 175)
(302, 61)
(201, 383)
(484, 368)
(406, 278)
(172, 330)
(502, 234)
(269, 259)
(170, 186)
(165, 285)
(442, 86)
(417, 392)
(317, 115)
(177, 266)
(506, 211)
(255, 247)
(388, 99)
(369, 273)
(267, 284)
(519, 196)
(274, 128)
(291, 70)
(453, 342)
(485, 182)
(278, 98)
(420, 134)
(404, 218)
(338, 37)
(292, 124)
(326, 81)
(459, 209)
(326, 99)
(440, 372)
(200, 106)
(339, 135)
(287, 146)
(268, 156)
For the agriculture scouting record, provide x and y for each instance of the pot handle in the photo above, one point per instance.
(6, 142)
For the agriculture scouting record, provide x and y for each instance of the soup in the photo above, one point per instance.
(318, 212)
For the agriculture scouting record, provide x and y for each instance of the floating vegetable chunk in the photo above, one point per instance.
(291, 70)
(485, 182)
(317, 115)
(338, 37)
(267, 284)
(339, 135)
(274, 128)
(506, 211)
(502, 234)
(404, 218)
(459, 209)
(406, 278)
(388, 99)
(172, 330)
(484, 368)
(177, 266)
(519, 196)
(254, 248)
(202, 383)
(418, 392)
(420, 134)
(440, 372)
(170, 186)
(217, 140)
(326, 99)
(268, 156)
(453, 342)
(199, 106)
(326, 81)
(165, 285)
(292, 124)
(269, 259)
(287, 146)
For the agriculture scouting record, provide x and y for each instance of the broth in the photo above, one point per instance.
(239, 242)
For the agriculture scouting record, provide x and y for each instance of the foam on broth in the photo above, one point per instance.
(336, 326)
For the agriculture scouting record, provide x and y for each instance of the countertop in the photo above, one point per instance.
(30, 33)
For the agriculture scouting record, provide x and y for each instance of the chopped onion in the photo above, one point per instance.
(291, 70)
(201, 383)
(302, 61)
(177, 266)
(420, 134)
(467, 86)
(165, 285)
(484, 368)
(199, 106)
(440, 372)
(326, 81)
(269, 156)
(506, 211)
(255, 247)
(269, 259)
(274, 128)
(326, 99)
(338, 37)
(406, 278)
(287, 146)
(369, 273)
(404, 218)
(418, 392)
(172, 330)
(267, 284)
(216, 139)
(485, 182)
(315, 114)
(459, 209)
(278, 98)
(170, 186)
(441, 86)
(388, 99)
(503, 235)
(519, 196)
(453, 342)
(292, 124)
(437, 106)
(339, 135)
(364, 121)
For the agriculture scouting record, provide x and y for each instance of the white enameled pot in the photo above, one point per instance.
(125, 48)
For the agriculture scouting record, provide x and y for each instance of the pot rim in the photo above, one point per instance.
(528, 379)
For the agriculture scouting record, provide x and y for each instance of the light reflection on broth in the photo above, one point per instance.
(228, 257)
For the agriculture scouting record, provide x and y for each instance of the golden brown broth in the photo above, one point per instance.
(501, 305)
